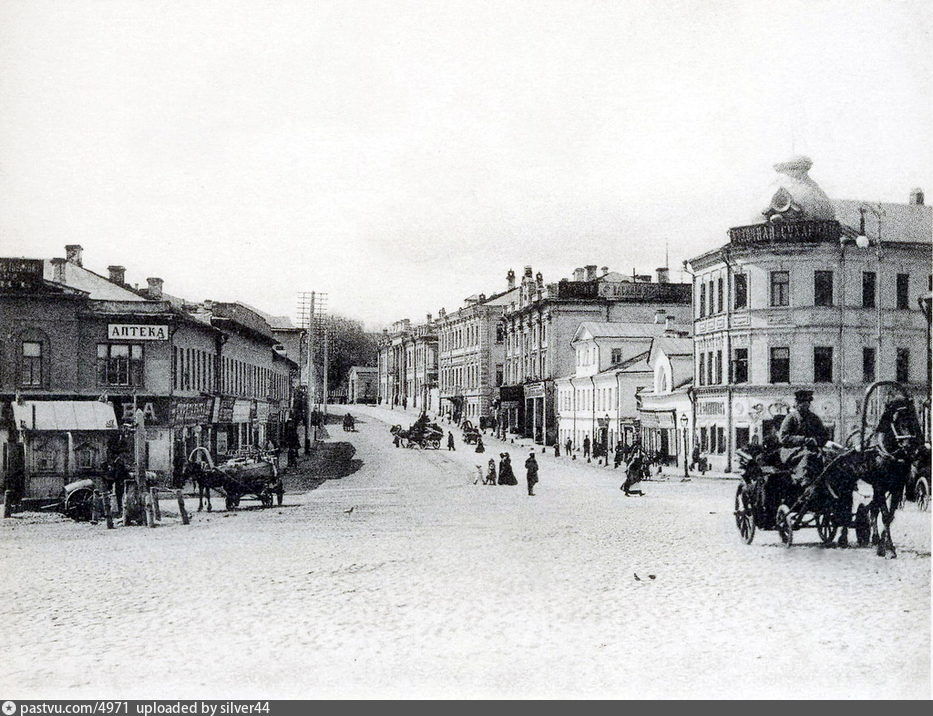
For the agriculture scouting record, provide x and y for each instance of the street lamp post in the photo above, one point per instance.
(683, 425)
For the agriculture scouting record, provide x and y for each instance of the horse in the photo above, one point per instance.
(205, 479)
(892, 451)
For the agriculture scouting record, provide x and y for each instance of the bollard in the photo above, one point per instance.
(129, 500)
(181, 508)
(154, 492)
(8, 503)
(108, 511)
(147, 508)
(95, 507)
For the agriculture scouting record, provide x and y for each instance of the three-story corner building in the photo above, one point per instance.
(541, 321)
(817, 294)
(471, 356)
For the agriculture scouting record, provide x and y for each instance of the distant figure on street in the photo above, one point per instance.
(586, 448)
(619, 455)
(568, 446)
(531, 470)
(490, 478)
(634, 473)
(397, 440)
(479, 445)
(557, 448)
(506, 476)
(450, 441)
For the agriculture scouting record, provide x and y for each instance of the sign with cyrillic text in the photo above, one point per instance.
(136, 332)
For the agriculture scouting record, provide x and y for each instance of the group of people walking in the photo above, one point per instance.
(506, 475)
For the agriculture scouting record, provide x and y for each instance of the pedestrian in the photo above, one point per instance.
(557, 448)
(506, 476)
(479, 445)
(450, 441)
(490, 478)
(568, 446)
(586, 448)
(619, 455)
(531, 470)
(634, 473)
(396, 440)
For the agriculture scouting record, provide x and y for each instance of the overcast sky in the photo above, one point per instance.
(402, 156)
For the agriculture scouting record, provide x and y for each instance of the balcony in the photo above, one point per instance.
(786, 232)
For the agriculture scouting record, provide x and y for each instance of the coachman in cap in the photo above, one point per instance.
(802, 437)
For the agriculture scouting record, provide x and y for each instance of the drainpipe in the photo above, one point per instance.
(592, 413)
(728, 357)
(842, 347)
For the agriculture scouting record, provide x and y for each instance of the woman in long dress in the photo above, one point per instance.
(506, 476)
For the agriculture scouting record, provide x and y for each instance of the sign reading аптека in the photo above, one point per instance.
(136, 332)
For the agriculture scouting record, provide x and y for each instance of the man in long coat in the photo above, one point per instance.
(531, 470)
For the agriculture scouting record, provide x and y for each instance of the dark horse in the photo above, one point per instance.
(205, 479)
(890, 455)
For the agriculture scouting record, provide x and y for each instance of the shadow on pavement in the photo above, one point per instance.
(328, 461)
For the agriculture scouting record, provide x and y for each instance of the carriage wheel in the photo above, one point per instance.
(744, 514)
(826, 528)
(785, 527)
(232, 501)
(267, 499)
(78, 505)
(922, 494)
(436, 444)
(862, 526)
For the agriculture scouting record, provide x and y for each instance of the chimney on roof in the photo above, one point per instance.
(664, 274)
(604, 270)
(579, 274)
(539, 279)
(73, 254)
(155, 288)
(59, 267)
(482, 298)
(660, 316)
(590, 273)
(428, 316)
(527, 273)
(117, 274)
(916, 196)
(510, 279)
(208, 304)
(669, 324)
(442, 313)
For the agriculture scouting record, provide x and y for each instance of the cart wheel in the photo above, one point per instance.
(267, 500)
(436, 444)
(826, 528)
(232, 501)
(744, 514)
(922, 494)
(78, 505)
(862, 526)
(785, 527)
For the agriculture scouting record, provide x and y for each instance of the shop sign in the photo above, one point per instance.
(136, 332)
(222, 442)
(20, 274)
(224, 410)
(508, 405)
(534, 390)
(156, 410)
(192, 411)
(242, 410)
(711, 407)
(262, 412)
(661, 421)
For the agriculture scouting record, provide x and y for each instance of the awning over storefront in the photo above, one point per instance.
(64, 415)
(663, 420)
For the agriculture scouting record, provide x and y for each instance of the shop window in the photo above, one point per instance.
(740, 290)
(45, 457)
(86, 457)
(740, 365)
(31, 371)
(868, 365)
(119, 364)
(780, 365)
(780, 288)
(822, 364)
(868, 289)
(823, 288)
(903, 284)
(742, 437)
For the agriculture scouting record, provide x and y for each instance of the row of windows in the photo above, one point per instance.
(527, 366)
(710, 365)
(252, 381)
(193, 369)
(466, 336)
(598, 399)
(711, 293)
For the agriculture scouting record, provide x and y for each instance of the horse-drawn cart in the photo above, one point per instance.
(422, 433)
(254, 477)
(471, 433)
(882, 457)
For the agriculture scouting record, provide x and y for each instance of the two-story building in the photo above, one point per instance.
(541, 321)
(816, 294)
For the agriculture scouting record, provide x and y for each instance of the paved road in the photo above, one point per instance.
(434, 586)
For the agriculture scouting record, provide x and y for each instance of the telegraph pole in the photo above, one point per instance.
(312, 306)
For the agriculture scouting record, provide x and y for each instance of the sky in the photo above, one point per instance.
(402, 156)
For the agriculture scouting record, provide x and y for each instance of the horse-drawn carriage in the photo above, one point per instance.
(422, 433)
(884, 458)
(471, 433)
(255, 477)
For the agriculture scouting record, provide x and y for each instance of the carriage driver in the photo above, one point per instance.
(802, 436)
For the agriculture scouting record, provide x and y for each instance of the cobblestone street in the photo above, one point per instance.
(434, 586)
